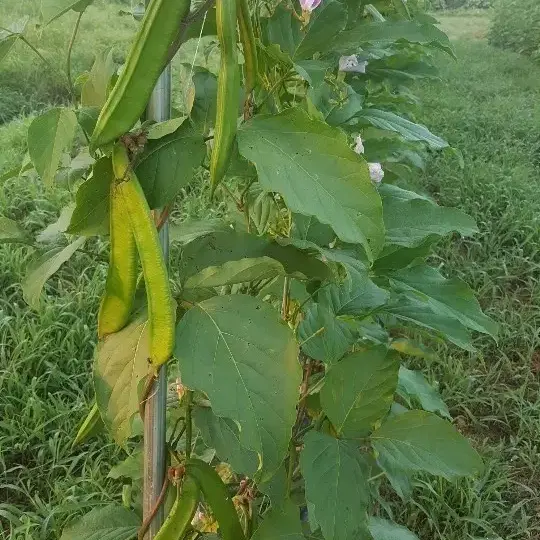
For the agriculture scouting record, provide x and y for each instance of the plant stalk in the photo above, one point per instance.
(70, 50)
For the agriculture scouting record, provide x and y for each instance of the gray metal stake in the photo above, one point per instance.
(155, 455)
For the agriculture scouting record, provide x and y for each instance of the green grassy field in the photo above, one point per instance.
(487, 104)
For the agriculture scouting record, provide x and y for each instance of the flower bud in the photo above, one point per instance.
(309, 5)
(376, 172)
(351, 64)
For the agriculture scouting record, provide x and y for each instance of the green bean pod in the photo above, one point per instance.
(227, 93)
(158, 291)
(179, 519)
(218, 498)
(145, 62)
(121, 283)
(247, 37)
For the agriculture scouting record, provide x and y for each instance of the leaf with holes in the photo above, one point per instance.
(223, 435)
(238, 351)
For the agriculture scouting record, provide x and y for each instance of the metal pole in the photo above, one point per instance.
(155, 457)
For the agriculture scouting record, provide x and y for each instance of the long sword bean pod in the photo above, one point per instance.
(227, 93)
(218, 498)
(158, 292)
(145, 62)
(247, 37)
(121, 283)
(182, 511)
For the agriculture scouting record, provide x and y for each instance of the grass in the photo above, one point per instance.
(487, 105)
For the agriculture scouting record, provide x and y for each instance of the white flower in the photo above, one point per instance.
(376, 172)
(358, 145)
(351, 64)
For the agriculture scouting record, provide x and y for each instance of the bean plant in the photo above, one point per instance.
(286, 325)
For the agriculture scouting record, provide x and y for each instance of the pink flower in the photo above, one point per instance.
(309, 5)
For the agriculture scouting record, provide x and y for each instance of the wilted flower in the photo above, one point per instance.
(358, 145)
(376, 172)
(351, 64)
(310, 5)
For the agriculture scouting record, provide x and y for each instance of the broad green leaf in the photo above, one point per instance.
(412, 385)
(338, 104)
(408, 130)
(275, 488)
(283, 30)
(227, 257)
(94, 90)
(87, 118)
(10, 35)
(91, 214)
(412, 348)
(394, 257)
(43, 268)
(188, 231)
(327, 20)
(48, 136)
(203, 107)
(386, 33)
(382, 529)
(359, 390)
(419, 310)
(223, 435)
(131, 467)
(281, 524)
(357, 295)
(112, 522)
(53, 232)
(311, 165)
(451, 298)
(313, 71)
(325, 337)
(421, 441)
(120, 364)
(11, 232)
(308, 228)
(6, 43)
(336, 485)
(415, 222)
(166, 164)
(52, 9)
(161, 129)
(238, 346)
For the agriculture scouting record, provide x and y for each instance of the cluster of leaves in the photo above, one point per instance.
(515, 26)
(455, 4)
(295, 309)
